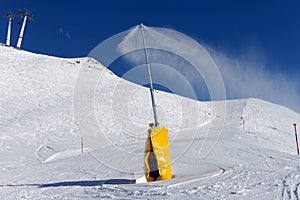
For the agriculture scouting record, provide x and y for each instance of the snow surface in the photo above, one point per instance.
(40, 138)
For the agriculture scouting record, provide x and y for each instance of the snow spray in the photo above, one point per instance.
(296, 138)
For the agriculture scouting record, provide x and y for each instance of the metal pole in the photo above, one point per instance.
(150, 78)
(295, 129)
(21, 33)
(81, 145)
(8, 31)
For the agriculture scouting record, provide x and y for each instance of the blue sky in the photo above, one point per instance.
(263, 34)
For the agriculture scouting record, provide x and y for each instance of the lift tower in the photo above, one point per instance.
(26, 15)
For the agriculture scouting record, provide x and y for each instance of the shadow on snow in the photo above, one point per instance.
(77, 183)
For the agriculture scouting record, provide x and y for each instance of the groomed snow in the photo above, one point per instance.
(40, 140)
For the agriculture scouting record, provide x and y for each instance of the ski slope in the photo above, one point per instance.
(42, 113)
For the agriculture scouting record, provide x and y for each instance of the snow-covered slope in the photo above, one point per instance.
(41, 132)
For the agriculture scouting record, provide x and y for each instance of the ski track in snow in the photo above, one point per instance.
(40, 155)
(290, 186)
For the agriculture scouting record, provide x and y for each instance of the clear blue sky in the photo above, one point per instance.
(273, 26)
(233, 27)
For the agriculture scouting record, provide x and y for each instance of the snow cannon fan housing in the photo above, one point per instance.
(157, 164)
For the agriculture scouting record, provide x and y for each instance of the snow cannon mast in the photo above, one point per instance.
(150, 78)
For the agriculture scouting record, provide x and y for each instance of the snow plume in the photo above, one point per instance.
(250, 77)
(183, 55)
(197, 74)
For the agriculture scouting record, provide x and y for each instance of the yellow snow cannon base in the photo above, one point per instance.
(157, 164)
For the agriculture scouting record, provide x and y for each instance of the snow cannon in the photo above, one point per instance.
(157, 164)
